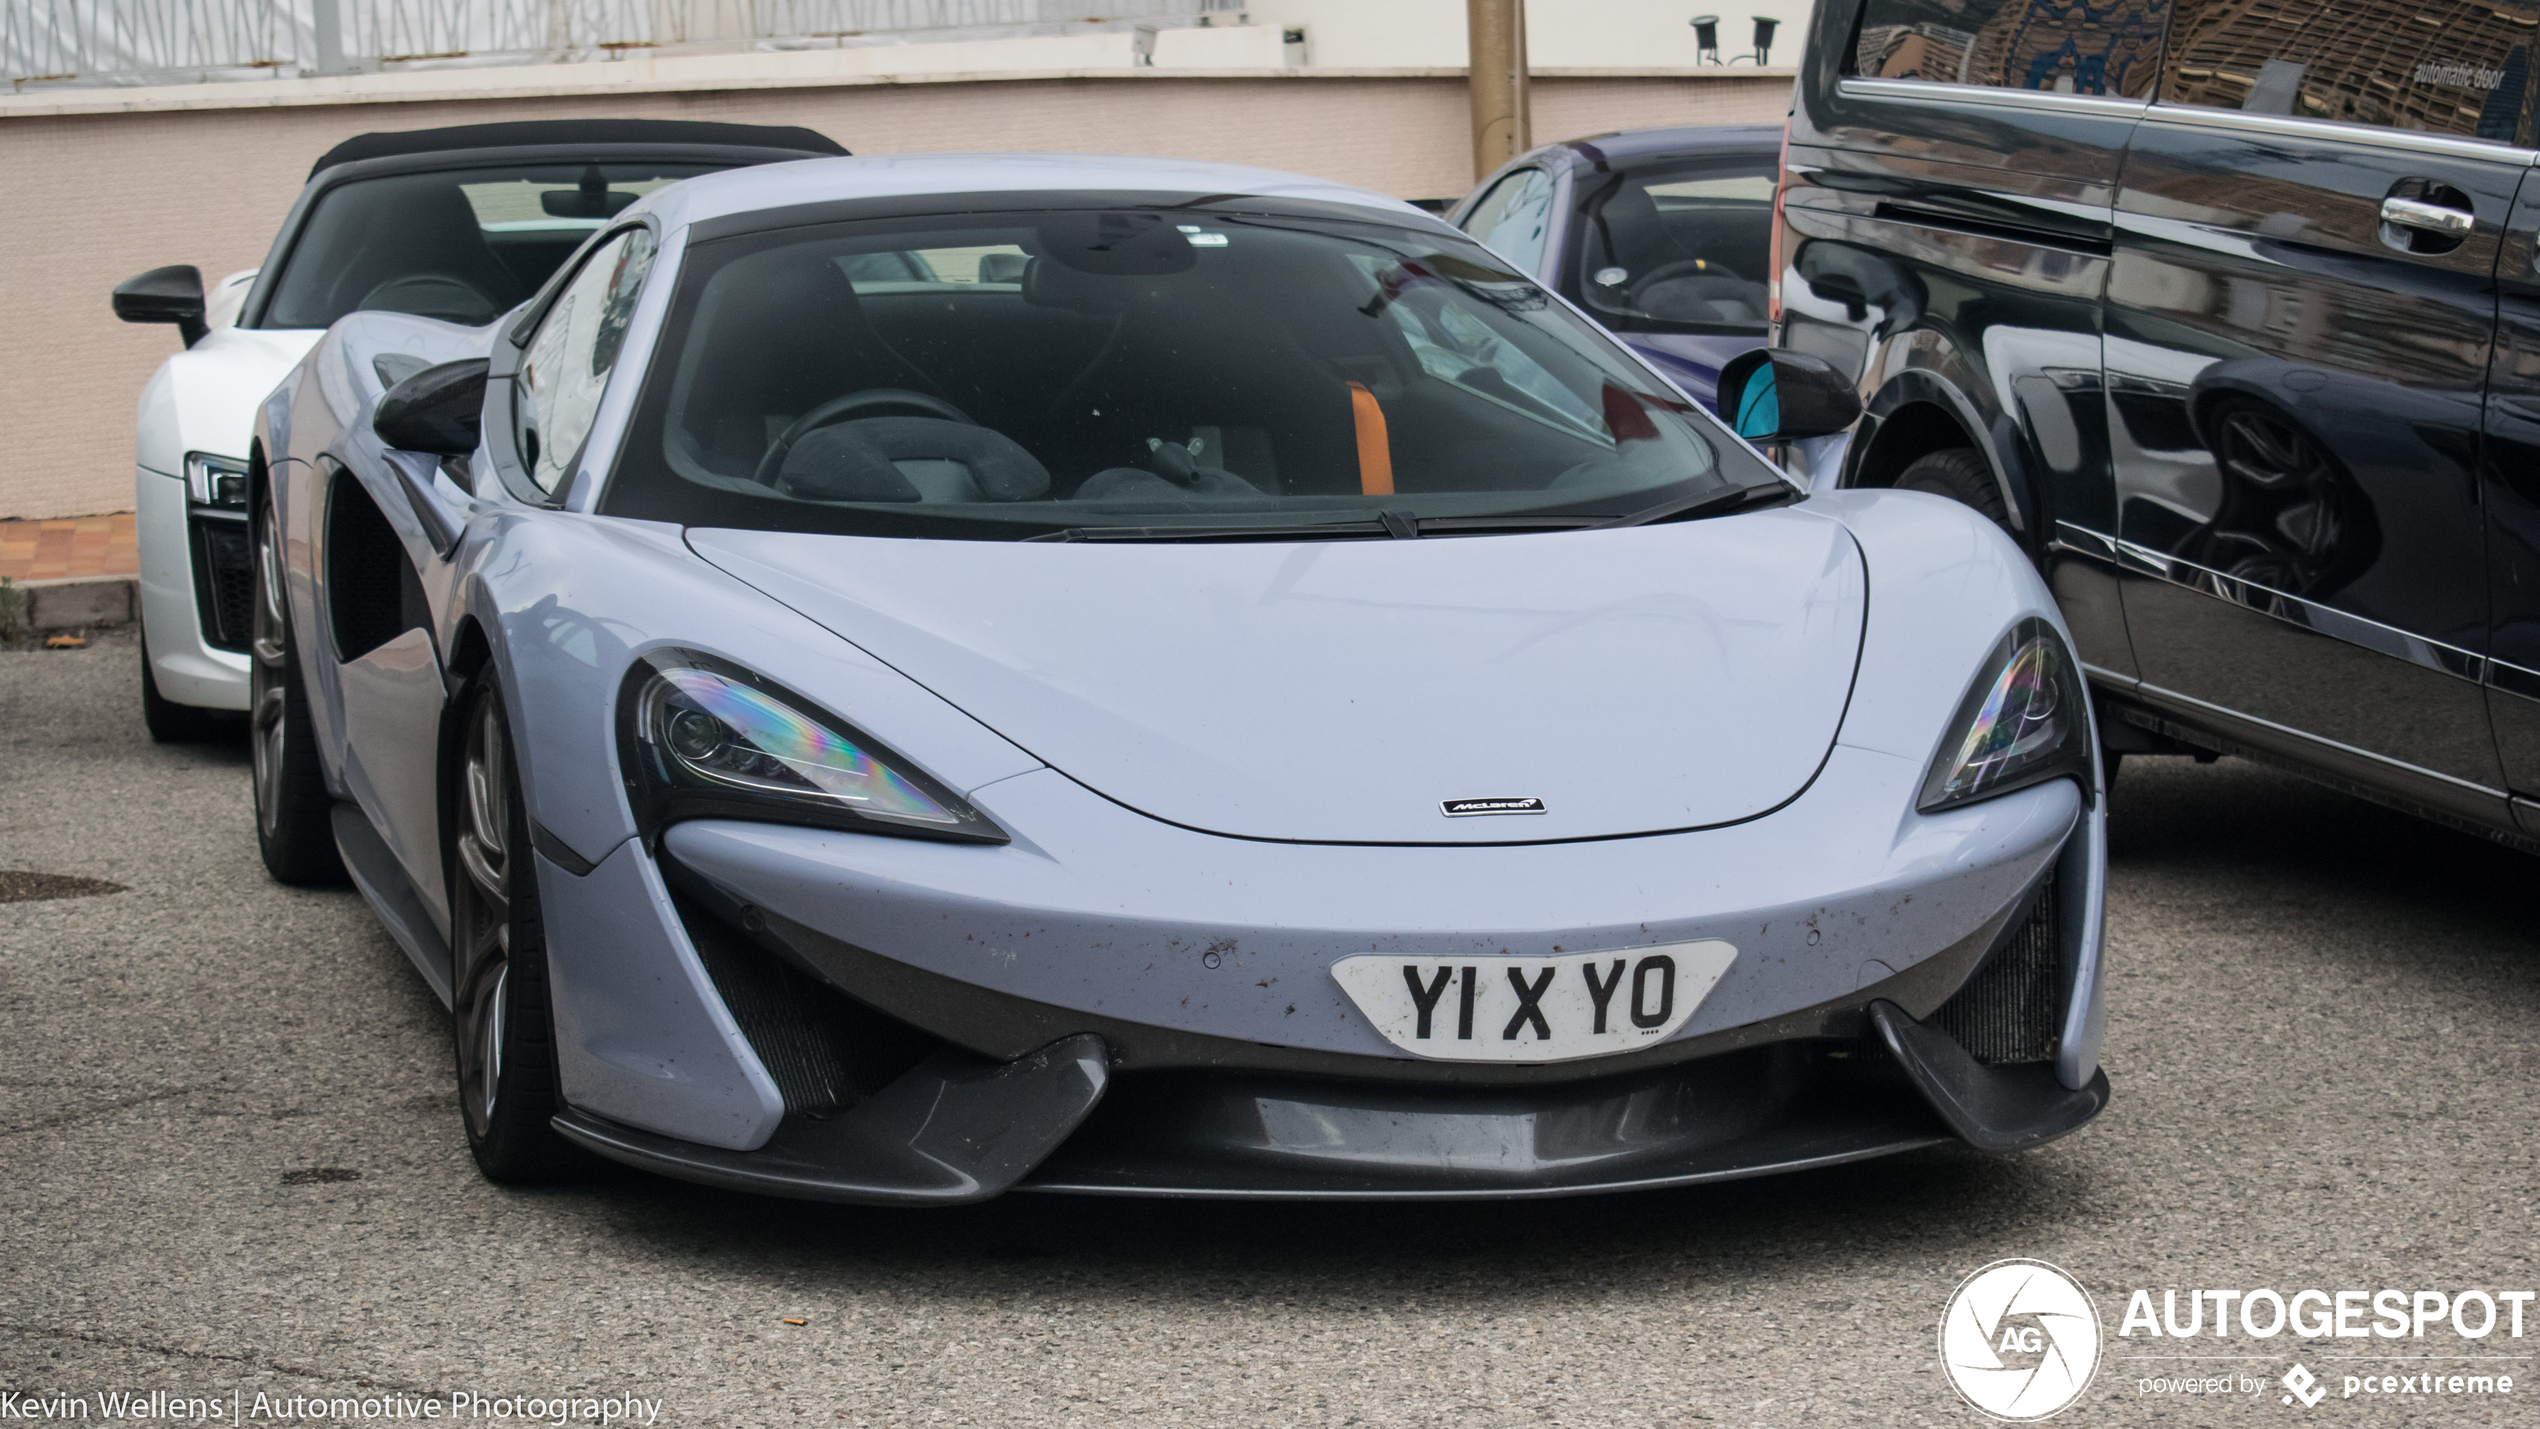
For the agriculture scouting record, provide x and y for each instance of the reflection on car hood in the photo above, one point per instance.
(1634, 680)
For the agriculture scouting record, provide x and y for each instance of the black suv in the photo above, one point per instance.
(2226, 309)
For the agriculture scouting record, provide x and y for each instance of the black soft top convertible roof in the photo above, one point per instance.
(527, 133)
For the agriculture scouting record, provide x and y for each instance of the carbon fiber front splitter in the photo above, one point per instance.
(953, 1129)
(958, 1128)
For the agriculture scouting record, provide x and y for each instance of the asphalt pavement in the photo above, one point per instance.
(230, 1165)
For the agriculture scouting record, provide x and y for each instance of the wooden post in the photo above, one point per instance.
(1503, 125)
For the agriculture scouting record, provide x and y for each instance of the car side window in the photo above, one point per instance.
(2043, 45)
(1515, 218)
(2444, 67)
(569, 358)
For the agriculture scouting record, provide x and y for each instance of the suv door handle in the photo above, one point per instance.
(2427, 217)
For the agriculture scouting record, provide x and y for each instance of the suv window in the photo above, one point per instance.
(1681, 247)
(2105, 49)
(569, 359)
(1515, 218)
(2441, 67)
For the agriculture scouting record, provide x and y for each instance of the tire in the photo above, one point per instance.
(295, 828)
(170, 722)
(1961, 475)
(501, 1025)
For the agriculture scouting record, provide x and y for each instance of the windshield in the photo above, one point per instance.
(1681, 249)
(463, 246)
(1006, 376)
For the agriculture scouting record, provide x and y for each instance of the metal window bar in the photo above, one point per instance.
(132, 42)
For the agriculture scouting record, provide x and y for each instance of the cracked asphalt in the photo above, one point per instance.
(230, 1163)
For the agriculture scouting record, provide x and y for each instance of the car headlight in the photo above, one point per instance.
(215, 480)
(2024, 721)
(704, 738)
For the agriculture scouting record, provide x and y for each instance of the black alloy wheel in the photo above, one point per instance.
(294, 814)
(501, 1028)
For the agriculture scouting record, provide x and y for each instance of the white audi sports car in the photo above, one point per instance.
(459, 224)
(893, 680)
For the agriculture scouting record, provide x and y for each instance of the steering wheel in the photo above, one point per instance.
(838, 409)
(432, 295)
(1682, 267)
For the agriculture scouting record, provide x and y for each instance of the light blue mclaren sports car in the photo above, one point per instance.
(894, 680)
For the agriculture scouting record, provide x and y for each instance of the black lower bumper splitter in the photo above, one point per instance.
(955, 1128)
(1772, 1152)
(1990, 1108)
(1782, 1107)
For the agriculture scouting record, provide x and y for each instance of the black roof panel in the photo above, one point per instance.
(1690, 141)
(525, 133)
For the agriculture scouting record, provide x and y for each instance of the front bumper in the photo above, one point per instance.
(861, 977)
(195, 593)
(959, 1128)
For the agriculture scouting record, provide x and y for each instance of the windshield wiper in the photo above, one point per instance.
(1402, 526)
(1395, 524)
(1323, 530)
(1709, 503)
(1452, 525)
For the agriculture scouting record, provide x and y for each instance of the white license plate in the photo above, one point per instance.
(1534, 1009)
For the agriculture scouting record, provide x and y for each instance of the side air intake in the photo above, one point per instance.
(825, 1051)
(2011, 1009)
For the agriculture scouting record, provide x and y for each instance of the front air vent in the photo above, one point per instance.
(224, 578)
(824, 1050)
(2010, 1010)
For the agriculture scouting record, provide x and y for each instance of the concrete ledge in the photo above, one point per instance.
(77, 602)
(816, 69)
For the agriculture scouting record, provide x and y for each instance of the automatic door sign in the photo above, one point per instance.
(2020, 1340)
(1534, 1009)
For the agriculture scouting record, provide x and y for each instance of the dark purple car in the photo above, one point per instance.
(1662, 235)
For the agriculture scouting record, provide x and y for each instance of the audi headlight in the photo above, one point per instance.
(215, 480)
(2023, 722)
(704, 738)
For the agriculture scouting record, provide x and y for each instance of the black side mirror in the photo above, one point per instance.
(173, 294)
(436, 411)
(1773, 394)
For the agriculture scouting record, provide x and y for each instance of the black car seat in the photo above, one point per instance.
(424, 253)
(1216, 356)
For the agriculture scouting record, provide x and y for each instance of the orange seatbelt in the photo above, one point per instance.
(1375, 452)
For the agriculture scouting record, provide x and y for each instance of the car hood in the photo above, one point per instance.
(1636, 680)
